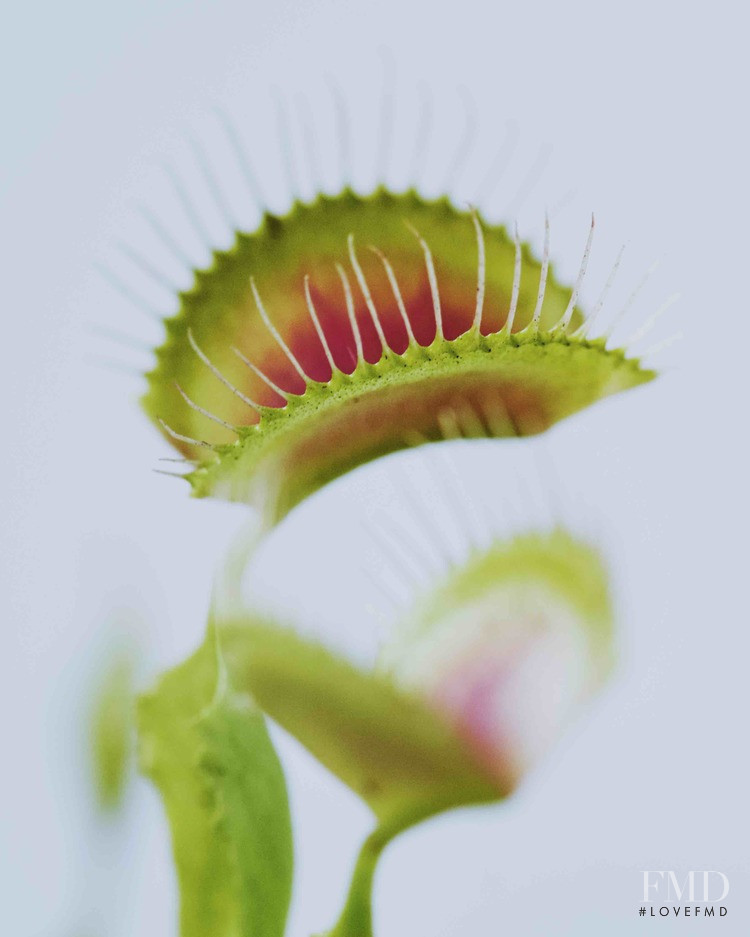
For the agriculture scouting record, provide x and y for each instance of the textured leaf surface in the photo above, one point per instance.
(207, 749)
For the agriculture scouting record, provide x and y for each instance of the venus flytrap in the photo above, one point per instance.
(479, 681)
(342, 331)
(350, 328)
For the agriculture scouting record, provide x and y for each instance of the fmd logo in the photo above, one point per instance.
(707, 887)
(687, 894)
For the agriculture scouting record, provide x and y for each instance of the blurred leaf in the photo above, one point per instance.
(207, 749)
(112, 720)
(554, 561)
(403, 755)
(388, 746)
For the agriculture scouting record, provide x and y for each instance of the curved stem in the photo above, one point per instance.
(356, 917)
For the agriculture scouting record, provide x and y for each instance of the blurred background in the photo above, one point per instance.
(635, 112)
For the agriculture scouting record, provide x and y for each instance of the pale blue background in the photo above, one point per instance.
(646, 107)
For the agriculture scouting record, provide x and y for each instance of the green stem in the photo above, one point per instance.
(356, 917)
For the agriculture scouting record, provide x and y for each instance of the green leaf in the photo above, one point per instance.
(207, 749)
(387, 745)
